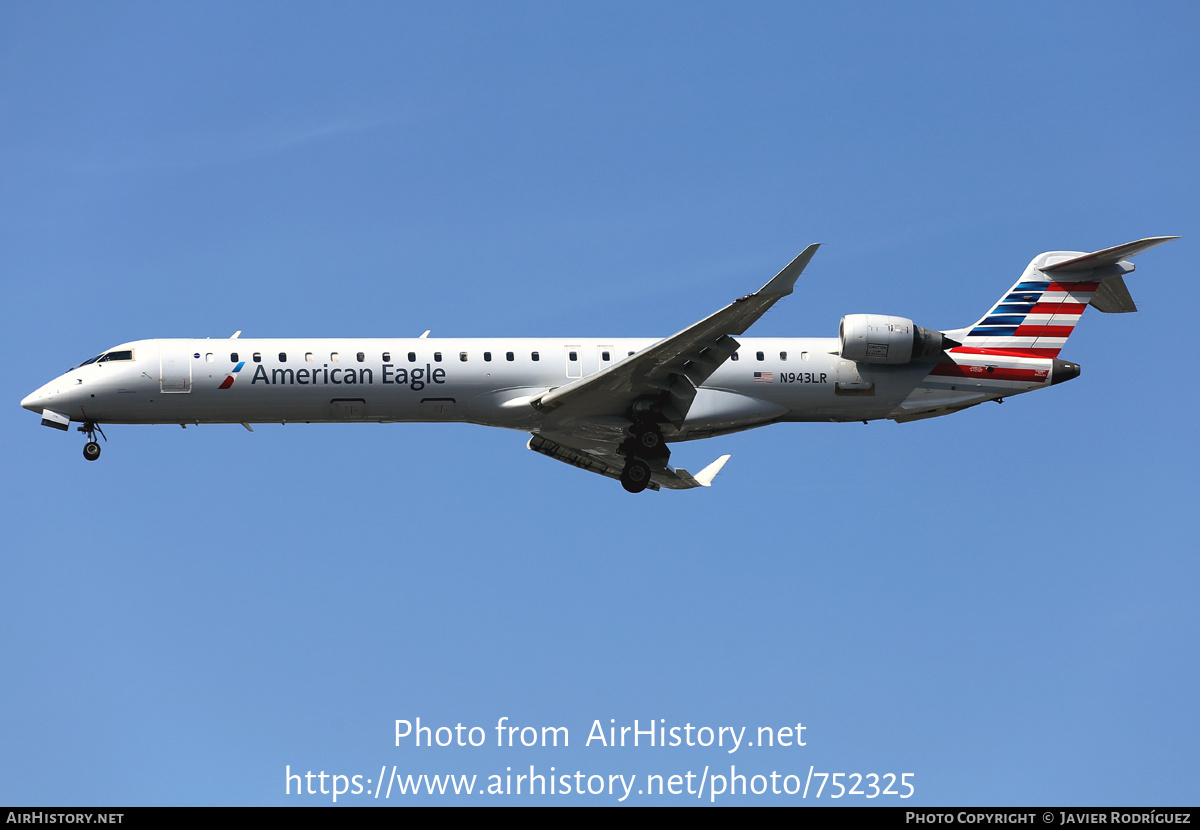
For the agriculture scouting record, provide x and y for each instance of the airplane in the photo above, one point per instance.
(612, 406)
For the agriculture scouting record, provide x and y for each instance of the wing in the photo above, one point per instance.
(598, 457)
(676, 366)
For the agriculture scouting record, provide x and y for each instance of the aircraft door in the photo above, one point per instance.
(604, 356)
(574, 355)
(175, 365)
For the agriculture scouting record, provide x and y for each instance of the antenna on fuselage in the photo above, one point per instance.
(426, 334)
(234, 336)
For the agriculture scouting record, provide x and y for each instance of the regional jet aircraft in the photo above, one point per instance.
(613, 405)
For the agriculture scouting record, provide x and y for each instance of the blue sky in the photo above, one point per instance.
(1001, 602)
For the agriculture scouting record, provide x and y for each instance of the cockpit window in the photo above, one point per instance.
(107, 356)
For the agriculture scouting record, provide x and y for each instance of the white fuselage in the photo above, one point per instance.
(490, 381)
(612, 405)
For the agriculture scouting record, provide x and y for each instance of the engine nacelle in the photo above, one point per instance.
(877, 338)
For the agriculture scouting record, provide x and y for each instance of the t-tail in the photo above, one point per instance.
(1035, 317)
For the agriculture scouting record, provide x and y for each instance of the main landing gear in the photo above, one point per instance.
(648, 438)
(636, 476)
(91, 450)
(647, 443)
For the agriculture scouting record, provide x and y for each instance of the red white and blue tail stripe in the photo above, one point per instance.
(1037, 315)
(1034, 318)
(1014, 348)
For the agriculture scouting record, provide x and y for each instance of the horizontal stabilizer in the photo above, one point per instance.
(1109, 256)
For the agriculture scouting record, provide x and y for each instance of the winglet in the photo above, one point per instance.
(782, 283)
(706, 475)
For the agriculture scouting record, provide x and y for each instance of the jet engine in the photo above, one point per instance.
(877, 338)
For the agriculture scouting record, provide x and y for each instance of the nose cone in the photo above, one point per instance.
(39, 400)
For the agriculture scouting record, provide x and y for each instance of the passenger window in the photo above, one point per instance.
(783, 355)
(233, 357)
(361, 357)
(208, 358)
(487, 357)
(804, 355)
(387, 357)
(733, 356)
(412, 357)
(308, 357)
(283, 357)
(333, 357)
(535, 356)
(258, 357)
(605, 356)
(462, 356)
(437, 357)
(509, 356)
(759, 355)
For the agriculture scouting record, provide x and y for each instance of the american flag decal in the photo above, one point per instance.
(764, 377)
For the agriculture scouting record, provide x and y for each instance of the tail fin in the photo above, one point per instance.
(1036, 316)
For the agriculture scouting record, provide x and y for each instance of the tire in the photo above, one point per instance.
(91, 450)
(636, 476)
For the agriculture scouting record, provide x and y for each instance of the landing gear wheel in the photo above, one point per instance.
(91, 450)
(636, 476)
(650, 439)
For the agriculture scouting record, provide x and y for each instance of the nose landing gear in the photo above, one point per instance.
(91, 450)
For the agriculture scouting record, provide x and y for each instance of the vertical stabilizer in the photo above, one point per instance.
(1037, 315)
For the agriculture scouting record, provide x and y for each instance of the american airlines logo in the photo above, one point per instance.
(415, 379)
(229, 378)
